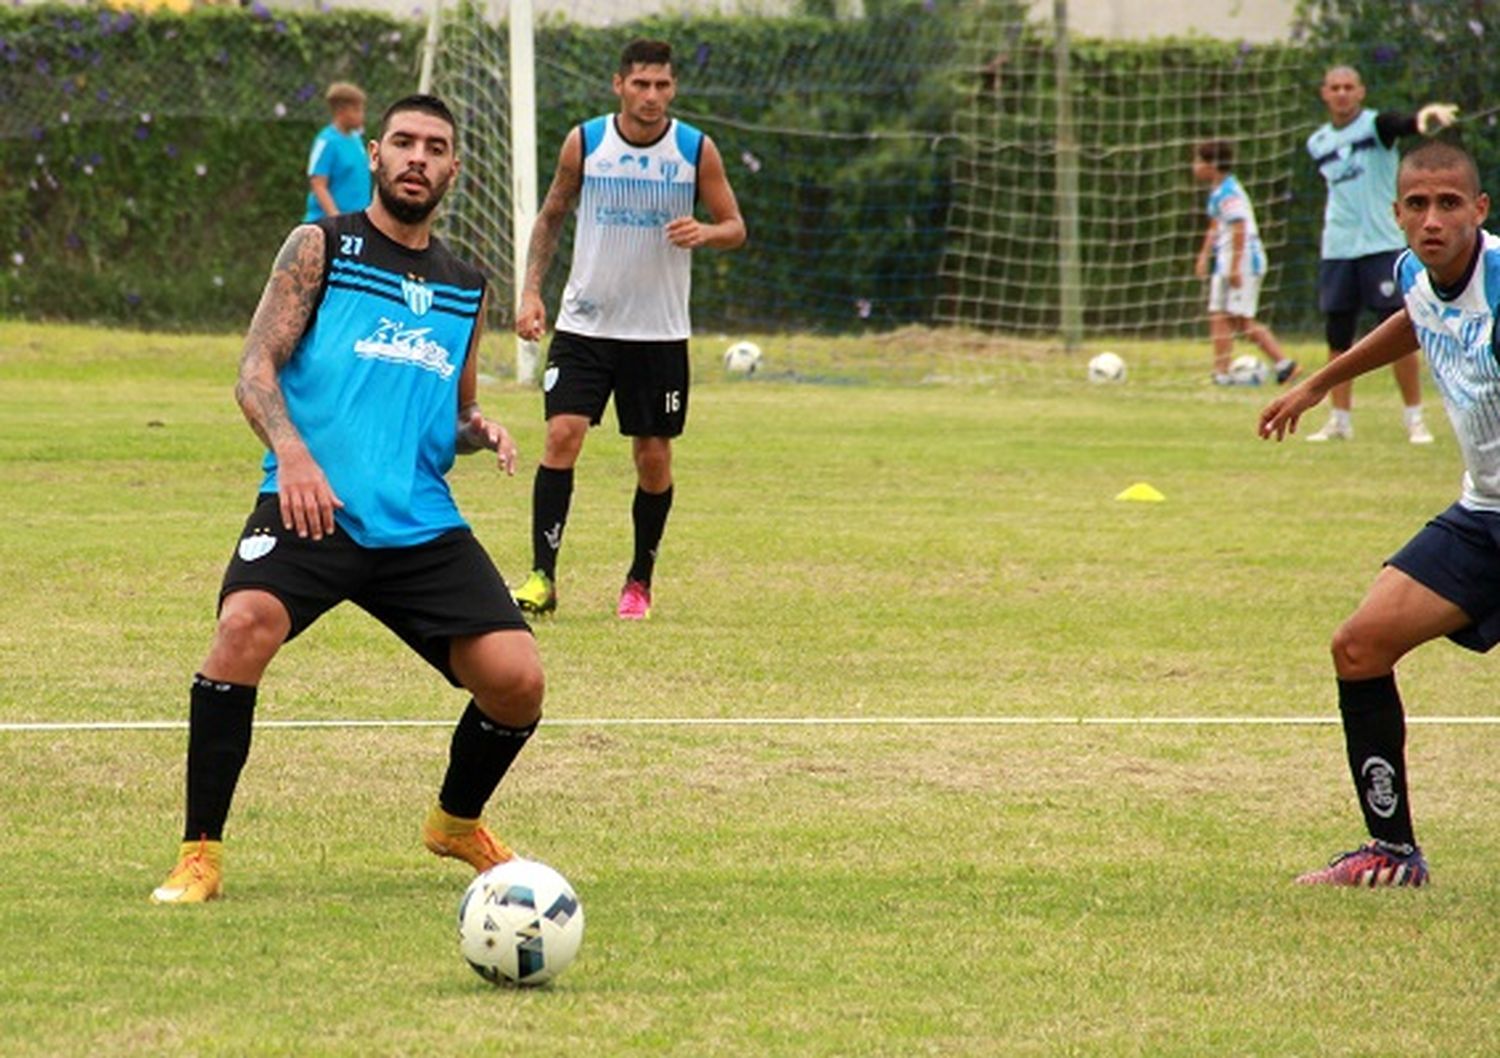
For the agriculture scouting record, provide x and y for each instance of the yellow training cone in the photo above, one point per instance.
(1140, 492)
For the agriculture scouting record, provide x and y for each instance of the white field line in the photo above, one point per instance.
(13, 727)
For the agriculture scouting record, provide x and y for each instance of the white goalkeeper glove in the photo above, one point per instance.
(1435, 116)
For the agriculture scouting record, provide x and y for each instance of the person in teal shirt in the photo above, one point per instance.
(338, 165)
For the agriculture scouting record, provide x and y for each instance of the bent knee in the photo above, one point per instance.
(513, 695)
(251, 631)
(1358, 654)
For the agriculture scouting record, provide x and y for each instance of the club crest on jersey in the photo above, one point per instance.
(670, 169)
(257, 545)
(418, 295)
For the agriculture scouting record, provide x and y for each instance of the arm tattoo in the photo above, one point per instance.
(547, 227)
(286, 305)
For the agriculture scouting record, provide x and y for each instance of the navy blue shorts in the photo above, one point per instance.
(1457, 555)
(427, 594)
(1355, 283)
(649, 381)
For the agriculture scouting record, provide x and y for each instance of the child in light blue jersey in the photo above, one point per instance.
(1234, 262)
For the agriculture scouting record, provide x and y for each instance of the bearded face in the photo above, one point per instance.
(414, 165)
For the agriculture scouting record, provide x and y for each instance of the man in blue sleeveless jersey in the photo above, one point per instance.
(359, 375)
(1356, 154)
(623, 328)
(1446, 580)
(338, 169)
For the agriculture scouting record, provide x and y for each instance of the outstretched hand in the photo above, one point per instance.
(1279, 418)
(1436, 116)
(487, 433)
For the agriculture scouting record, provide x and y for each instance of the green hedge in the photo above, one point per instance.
(150, 166)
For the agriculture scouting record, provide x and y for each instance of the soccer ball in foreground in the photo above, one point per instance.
(742, 358)
(1247, 370)
(1107, 367)
(520, 923)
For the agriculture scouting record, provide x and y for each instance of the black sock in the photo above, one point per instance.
(1375, 736)
(480, 754)
(219, 724)
(649, 511)
(551, 493)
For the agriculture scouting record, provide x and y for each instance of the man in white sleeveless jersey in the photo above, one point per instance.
(1446, 580)
(635, 177)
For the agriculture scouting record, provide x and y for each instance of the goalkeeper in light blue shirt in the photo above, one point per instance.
(338, 164)
(1355, 152)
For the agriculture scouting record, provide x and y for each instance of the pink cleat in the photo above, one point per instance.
(1371, 866)
(635, 601)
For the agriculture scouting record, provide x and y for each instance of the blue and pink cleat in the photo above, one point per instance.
(1371, 866)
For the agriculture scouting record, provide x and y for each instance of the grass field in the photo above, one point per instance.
(930, 535)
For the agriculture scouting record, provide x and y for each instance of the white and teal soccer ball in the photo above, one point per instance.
(742, 358)
(1107, 367)
(519, 923)
(1247, 370)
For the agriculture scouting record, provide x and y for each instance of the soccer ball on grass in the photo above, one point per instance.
(519, 923)
(742, 358)
(1247, 370)
(1107, 367)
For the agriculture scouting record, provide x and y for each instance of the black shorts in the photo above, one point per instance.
(649, 381)
(1457, 555)
(1355, 283)
(426, 594)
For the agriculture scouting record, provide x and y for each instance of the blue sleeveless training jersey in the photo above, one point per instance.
(372, 387)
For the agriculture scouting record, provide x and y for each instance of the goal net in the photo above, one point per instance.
(909, 165)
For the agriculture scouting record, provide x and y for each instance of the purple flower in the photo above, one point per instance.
(222, 58)
(102, 95)
(306, 92)
(260, 10)
(1385, 53)
(43, 67)
(170, 150)
(38, 133)
(279, 26)
(69, 86)
(142, 131)
(702, 55)
(72, 241)
(132, 298)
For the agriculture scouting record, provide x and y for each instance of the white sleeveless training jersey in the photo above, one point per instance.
(1456, 329)
(627, 281)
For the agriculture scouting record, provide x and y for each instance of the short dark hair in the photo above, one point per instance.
(426, 104)
(1217, 153)
(645, 52)
(1430, 155)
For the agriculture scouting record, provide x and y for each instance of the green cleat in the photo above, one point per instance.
(537, 596)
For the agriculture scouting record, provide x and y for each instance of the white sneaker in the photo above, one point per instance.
(1333, 431)
(1418, 433)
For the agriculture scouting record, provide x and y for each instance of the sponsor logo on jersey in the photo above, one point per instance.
(418, 295)
(398, 344)
(257, 545)
(1381, 794)
(549, 379)
(642, 162)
